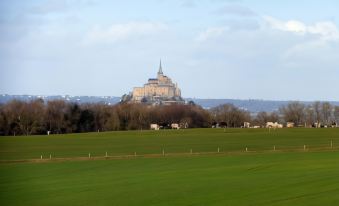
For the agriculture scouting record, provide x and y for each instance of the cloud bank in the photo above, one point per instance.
(213, 49)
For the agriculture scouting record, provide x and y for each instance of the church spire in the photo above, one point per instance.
(160, 68)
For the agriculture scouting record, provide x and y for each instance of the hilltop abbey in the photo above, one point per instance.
(160, 90)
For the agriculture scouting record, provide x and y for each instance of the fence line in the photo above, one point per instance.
(219, 152)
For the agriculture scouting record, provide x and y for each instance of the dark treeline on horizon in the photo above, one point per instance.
(59, 117)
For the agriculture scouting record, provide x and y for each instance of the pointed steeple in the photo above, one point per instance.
(160, 69)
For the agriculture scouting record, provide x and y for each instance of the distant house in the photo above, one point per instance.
(246, 125)
(290, 124)
(175, 126)
(273, 125)
(154, 127)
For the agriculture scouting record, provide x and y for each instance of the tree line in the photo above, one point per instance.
(58, 116)
(322, 113)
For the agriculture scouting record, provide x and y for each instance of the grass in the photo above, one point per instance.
(250, 179)
(173, 141)
(269, 178)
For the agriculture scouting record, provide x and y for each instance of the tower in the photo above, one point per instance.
(160, 70)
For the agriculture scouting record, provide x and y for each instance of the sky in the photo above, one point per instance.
(235, 49)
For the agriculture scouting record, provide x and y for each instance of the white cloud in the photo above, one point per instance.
(210, 33)
(325, 29)
(292, 25)
(296, 26)
(313, 55)
(120, 32)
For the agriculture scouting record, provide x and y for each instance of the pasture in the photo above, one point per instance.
(288, 176)
(172, 141)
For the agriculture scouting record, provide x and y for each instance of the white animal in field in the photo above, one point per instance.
(273, 125)
(154, 127)
(290, 124)
(175, 126)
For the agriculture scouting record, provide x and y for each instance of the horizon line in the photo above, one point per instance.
(212, 98)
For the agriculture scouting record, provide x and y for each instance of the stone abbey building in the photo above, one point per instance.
(160, 90)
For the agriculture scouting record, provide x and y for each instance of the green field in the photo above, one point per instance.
(261, 176)
(172, 141)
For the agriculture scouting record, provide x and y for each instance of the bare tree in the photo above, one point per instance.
(293, 112)
(336, 114)
(12, 112)
(326, 110)
(309, 115)
(112, 122)
(229, 115)
(261, 118)
(55, 116)
(317, 111)
(3, 121)
(274, 117)
(32, 117)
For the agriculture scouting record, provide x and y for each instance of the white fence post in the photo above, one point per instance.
(331, 144)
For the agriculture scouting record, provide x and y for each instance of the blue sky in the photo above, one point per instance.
(277, 50)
